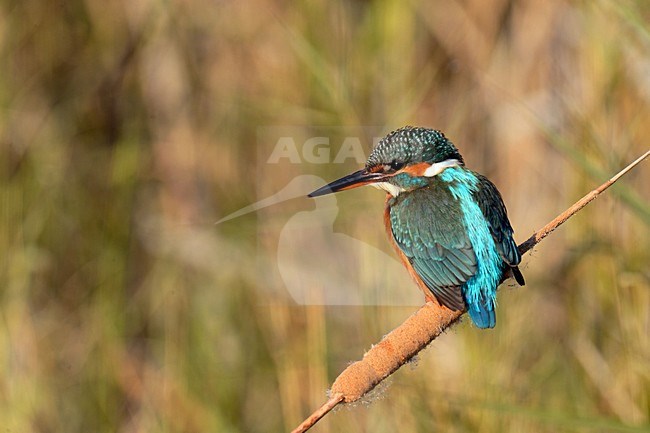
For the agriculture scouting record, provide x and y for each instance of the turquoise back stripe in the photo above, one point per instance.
(462, 184)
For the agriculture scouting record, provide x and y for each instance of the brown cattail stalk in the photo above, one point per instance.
(408, 339)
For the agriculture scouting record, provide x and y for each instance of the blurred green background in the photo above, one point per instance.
(129, 127)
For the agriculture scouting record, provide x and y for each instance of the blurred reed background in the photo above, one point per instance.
(129, 127)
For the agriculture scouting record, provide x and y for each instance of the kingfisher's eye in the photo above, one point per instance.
(393, 166)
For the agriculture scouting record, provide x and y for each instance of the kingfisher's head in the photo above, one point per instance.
(402, 161)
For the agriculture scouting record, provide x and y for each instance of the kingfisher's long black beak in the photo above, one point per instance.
(356, 179)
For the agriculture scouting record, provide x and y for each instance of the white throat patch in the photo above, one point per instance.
(391, 189)
(438, 167)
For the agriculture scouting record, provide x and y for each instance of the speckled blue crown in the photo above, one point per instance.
(412, 144)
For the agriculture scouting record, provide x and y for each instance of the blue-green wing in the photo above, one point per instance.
(427, 227)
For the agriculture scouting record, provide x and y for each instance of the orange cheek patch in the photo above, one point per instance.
(416, 170)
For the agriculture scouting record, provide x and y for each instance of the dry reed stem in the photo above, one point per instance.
(584, 201)
(334, 400)
(421, 328)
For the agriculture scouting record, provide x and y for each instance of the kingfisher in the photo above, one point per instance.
(447, 223)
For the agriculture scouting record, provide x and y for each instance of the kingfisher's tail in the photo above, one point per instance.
(482, 313)
(519, 277)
